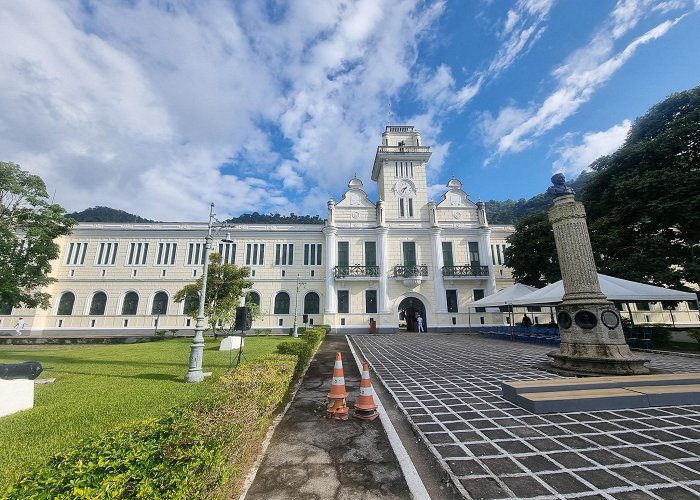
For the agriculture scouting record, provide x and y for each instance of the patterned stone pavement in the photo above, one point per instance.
(449, 387)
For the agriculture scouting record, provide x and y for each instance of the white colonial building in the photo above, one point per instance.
(387, 262)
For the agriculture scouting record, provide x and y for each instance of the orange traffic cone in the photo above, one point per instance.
(365, 408)
(338, 384)
(337, 408)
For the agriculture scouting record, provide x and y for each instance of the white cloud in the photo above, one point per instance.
(578, 78)
(162, 108)
(523, 27)
(574, 158)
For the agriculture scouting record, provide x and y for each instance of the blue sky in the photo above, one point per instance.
(161, 107)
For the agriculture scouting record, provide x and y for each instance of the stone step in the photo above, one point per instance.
(670, 392)
(510, 389)
(580, 400)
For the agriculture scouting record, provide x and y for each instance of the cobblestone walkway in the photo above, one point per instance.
(449, 387)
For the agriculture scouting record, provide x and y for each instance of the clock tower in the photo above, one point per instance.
(400, 172)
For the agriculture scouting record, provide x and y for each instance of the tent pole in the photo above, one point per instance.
(629, 311)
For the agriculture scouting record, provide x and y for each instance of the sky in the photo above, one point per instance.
(160, 107)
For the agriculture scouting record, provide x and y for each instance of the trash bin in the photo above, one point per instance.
(372, 326)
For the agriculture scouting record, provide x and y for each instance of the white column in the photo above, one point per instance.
(382, 260)
(485, 252)
(330, 232)
(440, 298)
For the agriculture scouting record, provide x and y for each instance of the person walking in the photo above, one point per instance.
(19, 326)
(420, 323)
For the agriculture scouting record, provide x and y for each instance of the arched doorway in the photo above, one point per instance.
(409, 309)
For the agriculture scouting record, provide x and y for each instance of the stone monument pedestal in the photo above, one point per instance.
(592, 340)
(598, 350)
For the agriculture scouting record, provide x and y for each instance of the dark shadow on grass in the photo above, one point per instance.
(143, 376)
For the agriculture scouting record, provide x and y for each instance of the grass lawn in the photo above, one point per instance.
(100, 386)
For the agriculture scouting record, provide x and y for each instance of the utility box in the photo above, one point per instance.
(372, 326)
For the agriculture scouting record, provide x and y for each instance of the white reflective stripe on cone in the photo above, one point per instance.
(338, 381)
(366, 391)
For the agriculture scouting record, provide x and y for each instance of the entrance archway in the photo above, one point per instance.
(409, 310)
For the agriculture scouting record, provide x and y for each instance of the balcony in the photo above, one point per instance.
(359, 272)
(460, 272)
(411, 276)
(403, 149)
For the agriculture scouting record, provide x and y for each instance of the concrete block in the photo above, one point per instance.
(581, 400)
(670, 395)
(16, 395)
(231, 343)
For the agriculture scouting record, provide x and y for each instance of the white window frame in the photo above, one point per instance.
(139, 253)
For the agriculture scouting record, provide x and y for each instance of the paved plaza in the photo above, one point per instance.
(449, 386)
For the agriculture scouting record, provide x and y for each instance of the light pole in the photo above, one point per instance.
(194, 374)
(296, 306)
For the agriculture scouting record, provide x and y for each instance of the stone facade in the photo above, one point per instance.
(385, 261)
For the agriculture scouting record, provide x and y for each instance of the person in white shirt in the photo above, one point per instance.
(420, 324)
(19, 326)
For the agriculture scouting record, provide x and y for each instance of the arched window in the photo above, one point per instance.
(98, 304)
(65, 305)
(311, 303)
(282, 303)
(131, 304)
(160, 303)
(191, 304)
(253, 298)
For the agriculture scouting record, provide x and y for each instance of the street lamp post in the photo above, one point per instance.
(195, 374)
(296, 306)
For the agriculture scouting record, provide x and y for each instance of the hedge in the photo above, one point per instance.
(197, 451)
(304, 350)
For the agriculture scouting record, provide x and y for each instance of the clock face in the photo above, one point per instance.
(404, 188)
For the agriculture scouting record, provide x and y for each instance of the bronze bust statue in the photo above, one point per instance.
(558, 187)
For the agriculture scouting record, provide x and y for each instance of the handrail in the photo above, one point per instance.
(356, 271)
(459, 271)
(410, 271)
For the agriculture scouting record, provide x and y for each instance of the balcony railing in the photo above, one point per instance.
(410, 271)
(403, 149)
(356, 271)
(465, 271)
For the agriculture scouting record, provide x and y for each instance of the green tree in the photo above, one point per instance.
(643, 201)
(532, 253)
(225, 285)
(29, 224)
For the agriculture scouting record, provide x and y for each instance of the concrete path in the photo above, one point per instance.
(449, 388)
(311, 457)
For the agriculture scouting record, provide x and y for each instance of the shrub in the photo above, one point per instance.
(304, 350)
(195, 451)
(694, 333)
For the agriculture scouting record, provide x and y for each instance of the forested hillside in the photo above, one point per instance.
(106, 214)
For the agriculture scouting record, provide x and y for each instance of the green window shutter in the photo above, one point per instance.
(343, 253)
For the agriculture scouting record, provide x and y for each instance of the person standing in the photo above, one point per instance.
(527, 322)
(420, 323)
(19, 326)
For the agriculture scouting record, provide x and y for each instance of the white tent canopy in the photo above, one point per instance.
(505, 296)
(615, 289)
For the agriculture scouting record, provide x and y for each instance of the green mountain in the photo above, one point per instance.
(106, 214)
